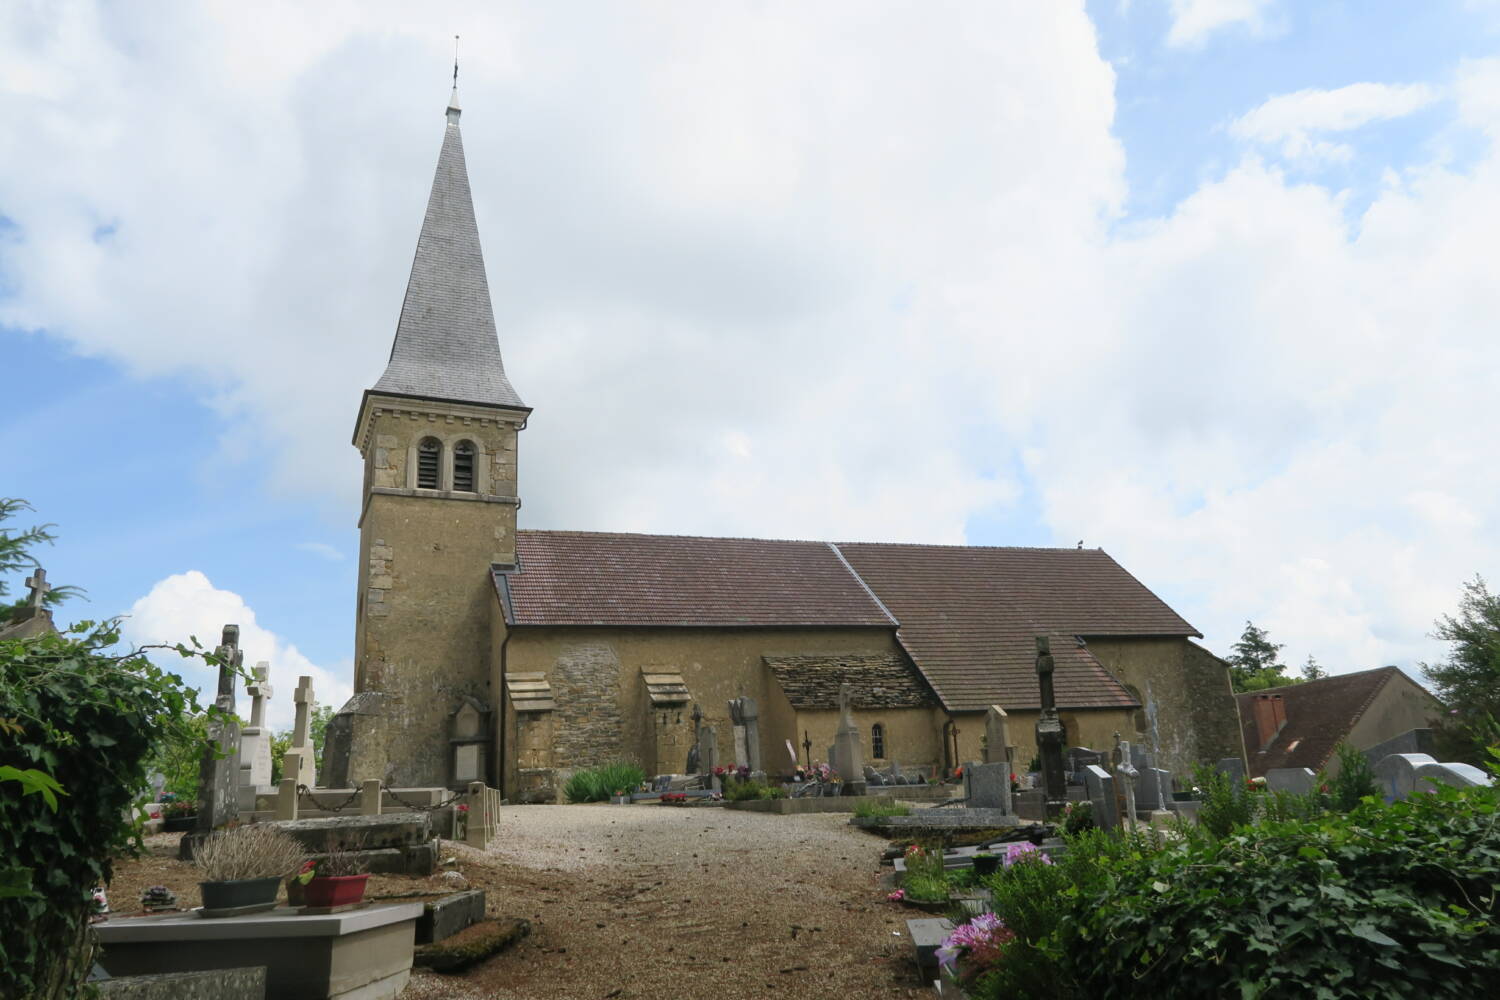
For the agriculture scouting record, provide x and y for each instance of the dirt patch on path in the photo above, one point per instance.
(647, 901)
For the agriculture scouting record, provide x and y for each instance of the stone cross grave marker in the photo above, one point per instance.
(1049, 732)
(302, 735)
(255, 741)
(750, 712)
(219, 768)
(847, 748)
(708, 753)
(37, 581)
(737, 726)
(1126, 771)
(695, 752)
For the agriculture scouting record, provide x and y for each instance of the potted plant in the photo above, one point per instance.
(243, 866)
(986, 863)
(177, 816)
(336, 879)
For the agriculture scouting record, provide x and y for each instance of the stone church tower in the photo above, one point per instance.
(437, 433)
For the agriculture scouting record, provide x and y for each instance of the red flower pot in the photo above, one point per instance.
(335, 890)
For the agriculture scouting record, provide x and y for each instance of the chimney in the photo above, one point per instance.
(1270, 717)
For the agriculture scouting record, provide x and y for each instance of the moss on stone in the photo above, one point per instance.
(471, 945)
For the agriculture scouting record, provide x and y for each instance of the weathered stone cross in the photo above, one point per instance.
(37, 581)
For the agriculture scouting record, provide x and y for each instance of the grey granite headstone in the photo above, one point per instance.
(987, 786)
(996, 736)
(1297, 780)
(1101, 788)
(1397, 774)
(1457, 775)
(741, 752)
(1153, 790)
(1232, 766)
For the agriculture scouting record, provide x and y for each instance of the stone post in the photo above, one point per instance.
(286, 799)
(369, 797)
(708, 754)
(751, 713)
(847, 747)
(477, 827)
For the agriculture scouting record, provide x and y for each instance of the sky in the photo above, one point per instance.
(1209, 284)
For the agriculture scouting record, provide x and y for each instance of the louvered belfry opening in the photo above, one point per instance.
(463, 467)
(427, 463)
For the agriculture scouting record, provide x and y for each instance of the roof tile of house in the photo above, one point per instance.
(1319, 715)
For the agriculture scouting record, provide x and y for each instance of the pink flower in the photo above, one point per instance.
(1025, 849)
(897, 896)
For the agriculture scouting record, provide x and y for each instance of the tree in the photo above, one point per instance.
(1312, 670)
(1468, 681)
(15, 554)
(1254, 664)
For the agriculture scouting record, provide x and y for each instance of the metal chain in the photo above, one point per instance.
(303, 792)
(418, 807)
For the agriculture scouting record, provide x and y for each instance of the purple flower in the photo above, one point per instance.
(1025, 849)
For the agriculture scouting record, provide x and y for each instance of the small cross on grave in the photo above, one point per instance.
(37, 581)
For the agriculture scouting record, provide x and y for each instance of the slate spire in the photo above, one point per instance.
(446, 347)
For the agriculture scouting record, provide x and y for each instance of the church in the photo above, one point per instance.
(484, 652)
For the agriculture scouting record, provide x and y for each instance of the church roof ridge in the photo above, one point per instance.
(446, 347)
(809, 541)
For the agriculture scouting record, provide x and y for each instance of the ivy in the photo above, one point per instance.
(77, 726)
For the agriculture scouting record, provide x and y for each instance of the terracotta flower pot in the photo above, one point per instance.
(335, 890)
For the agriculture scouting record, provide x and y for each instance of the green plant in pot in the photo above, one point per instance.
(243, 867)
(986, 863)
(337, 878)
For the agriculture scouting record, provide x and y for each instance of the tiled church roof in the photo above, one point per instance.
(593, 578)
(445, 346)
(970, 616)
(967, 615)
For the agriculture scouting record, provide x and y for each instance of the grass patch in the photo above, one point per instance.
(597, 784)
(880, 808)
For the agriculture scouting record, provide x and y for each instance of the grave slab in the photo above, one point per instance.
(219, 984)
(927, 936)
(358, 955)
(1297, 780)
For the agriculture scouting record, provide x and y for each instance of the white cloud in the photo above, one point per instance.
(1194, 20)
(1294, 121)
(187, 604)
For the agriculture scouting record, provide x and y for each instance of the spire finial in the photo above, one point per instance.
(453, 109)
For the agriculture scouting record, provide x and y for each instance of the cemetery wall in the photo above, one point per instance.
(602, 708)
(423, 618)
(1400, 705)
(1197, 717)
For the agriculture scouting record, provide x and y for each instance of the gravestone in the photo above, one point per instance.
(996, 736)
(1127, 774)
(695, 753)
(1234, 767)
(302, 735)
(1397, 774)
(219, 768)
(1154, 789)
(1049, 732)
(255, 739)
(847, 747)
(750, 712)
(708, 753)
(1429, 776)
(1101, 790)
(1411, 741)
(1297, 780)
(987, 786)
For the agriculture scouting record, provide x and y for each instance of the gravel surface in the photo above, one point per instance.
(650, 901)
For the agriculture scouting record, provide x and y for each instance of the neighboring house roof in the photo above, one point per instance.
(594, 578)
(445, 346)
(1319, 715)
(968, 616)
(876, 681)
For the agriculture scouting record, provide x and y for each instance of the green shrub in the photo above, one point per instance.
(1355, 780)
(880, 808)
(1226, 803)
(926, 879)
(597, 784)
(745, 791)
(585, 786)
(1388, 901)
(621, 776)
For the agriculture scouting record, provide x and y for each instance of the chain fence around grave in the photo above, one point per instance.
(355, 799)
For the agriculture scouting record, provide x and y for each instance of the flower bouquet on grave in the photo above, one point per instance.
(674, 798)
(974, 948)
(925, 884)
(158, 899)
(177, 815)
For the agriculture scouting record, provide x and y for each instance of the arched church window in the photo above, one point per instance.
(877, 741)
(463, 467)
(428, 452)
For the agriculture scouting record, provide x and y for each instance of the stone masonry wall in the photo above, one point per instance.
(587, 723)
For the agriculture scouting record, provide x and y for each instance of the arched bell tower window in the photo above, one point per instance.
(877, 741)
(428, 453)
(463, 467)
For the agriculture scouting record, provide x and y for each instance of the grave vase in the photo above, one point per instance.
(335, 890)
(240, 892)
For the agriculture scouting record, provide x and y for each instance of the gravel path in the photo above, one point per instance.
(650, 901)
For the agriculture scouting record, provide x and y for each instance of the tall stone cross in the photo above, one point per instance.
(255, 742)
(297, 762)
(219, 768)
(1050, 736)
(260, 692)
(37, 581)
